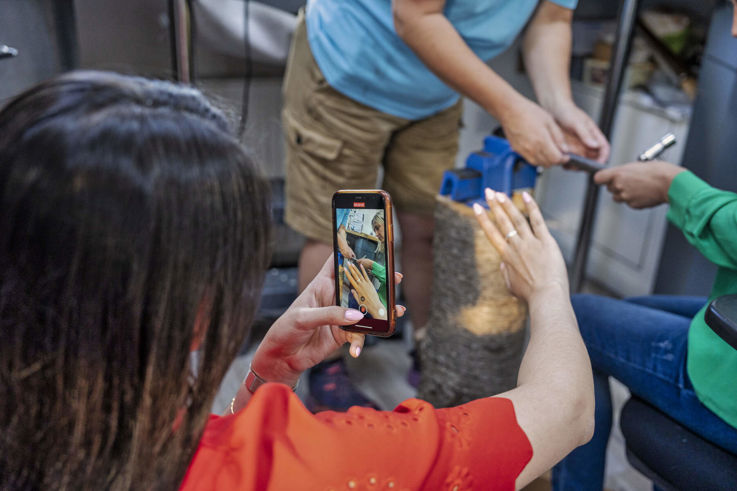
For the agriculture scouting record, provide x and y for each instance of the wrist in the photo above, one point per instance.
(558, 105)
(276, 371)
(544, 293)
(505, 105)
(670, 172)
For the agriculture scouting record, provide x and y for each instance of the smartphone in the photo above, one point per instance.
(363, 247)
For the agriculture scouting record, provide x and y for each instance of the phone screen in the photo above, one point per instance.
(363, 258)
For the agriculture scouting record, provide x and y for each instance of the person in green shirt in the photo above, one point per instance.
(659, 345)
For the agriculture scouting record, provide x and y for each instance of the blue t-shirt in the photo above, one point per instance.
(357, 49)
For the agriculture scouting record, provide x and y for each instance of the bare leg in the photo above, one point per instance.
(417, 232)
(313, 256)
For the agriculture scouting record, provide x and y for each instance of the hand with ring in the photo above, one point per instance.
(363, 290)
(531, 259)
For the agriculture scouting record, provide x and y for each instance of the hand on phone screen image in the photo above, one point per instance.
(363, 290)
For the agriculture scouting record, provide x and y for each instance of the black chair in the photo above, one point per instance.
(671, 456)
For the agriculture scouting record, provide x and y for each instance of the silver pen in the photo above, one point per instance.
(654, 152)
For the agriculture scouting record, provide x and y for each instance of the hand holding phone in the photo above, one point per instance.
(362, 227)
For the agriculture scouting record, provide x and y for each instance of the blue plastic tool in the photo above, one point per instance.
(497, 166)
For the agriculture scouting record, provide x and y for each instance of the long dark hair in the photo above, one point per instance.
(132, 224)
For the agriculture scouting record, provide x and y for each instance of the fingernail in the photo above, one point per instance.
(477, 209)
(357, 351)
(353, 315)
(501, 197)
(400, 275)
(402, 308)
(526, 197)
(489, 194)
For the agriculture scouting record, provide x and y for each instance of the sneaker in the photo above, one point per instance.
(331, 389)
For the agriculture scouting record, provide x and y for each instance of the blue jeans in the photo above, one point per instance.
(642, 343)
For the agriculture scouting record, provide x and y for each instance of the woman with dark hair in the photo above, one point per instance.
(133, 230)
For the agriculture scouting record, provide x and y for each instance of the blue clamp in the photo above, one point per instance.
(497, 166)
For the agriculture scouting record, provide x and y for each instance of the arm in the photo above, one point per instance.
(529, 128)
(547, 52)
(554, 398)
(343, 246)
(707, 217)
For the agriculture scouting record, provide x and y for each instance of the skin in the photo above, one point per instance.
(639, 184)
(554, 397)
(306, 334)
(364, 292)
(343, 246)
(541, 134)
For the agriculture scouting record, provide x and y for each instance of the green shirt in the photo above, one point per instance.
(379, 273)
(708, 218)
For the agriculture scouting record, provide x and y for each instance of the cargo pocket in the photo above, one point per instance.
(316, 144)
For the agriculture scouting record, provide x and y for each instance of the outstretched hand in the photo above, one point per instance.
(531, 259)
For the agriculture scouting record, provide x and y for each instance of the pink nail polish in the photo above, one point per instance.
(477, 209)
(358, 351)
(489, 194)
(501, 197)
(526, 197)
(353, 315)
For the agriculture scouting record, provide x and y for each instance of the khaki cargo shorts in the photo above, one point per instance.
(334, 142)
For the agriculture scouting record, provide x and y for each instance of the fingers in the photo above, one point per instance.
(519, 222)
(365, 274)
(559, 139)
(356, 339)
(401, 310)
(505, 275)
(504, 210)
(490, 230)
(349, 275)
(603, 144)
(549, 154)
(604, 176)
(307, 318)
(398, 278)
(536, 217)
(359, 276)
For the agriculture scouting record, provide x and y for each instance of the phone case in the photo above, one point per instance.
(374, 327)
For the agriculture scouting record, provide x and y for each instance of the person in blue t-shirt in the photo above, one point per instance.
(377, 83)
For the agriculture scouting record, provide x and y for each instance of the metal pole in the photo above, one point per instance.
(617, 67)
(179, 39)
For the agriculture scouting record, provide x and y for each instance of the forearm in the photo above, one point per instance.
(555, 354)
(436, 42)
(546, 51)
(554, 399)
(557, 370)
(707, 217)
